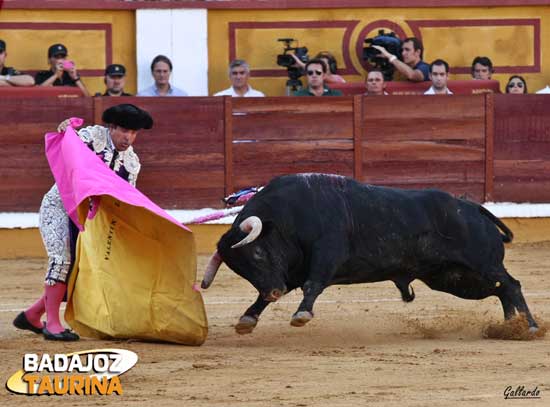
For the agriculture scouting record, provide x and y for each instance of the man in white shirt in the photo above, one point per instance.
(439, 75)
(239, 73)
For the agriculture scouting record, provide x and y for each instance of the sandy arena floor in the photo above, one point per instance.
(364, 347)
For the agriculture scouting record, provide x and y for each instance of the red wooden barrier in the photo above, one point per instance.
(274, 136)
(522, 148)
(200, 149)
(420, 142)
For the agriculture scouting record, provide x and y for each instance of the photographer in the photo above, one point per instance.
(413, 68)
(62, 71)
(316, 71)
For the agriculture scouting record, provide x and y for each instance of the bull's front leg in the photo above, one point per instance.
(329, 254)
(304, 314)
(249, 320)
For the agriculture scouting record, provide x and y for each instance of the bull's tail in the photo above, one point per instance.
(508, 236)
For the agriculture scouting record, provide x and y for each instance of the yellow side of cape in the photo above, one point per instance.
(133, 278)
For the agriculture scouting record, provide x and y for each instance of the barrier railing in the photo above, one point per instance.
(484, 147)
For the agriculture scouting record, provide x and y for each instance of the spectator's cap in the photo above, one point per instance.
(128, 116)
(57, 49)
(2, 45)
(115, 70)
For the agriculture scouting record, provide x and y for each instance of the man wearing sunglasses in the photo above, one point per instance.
(316, 71)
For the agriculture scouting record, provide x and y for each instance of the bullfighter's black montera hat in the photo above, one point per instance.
(128, 116)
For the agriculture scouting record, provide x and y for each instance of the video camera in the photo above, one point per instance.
(286, 60)
(391, 43)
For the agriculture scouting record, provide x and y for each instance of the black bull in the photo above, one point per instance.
(313, 231)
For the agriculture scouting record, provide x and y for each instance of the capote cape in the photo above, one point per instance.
(135, 266)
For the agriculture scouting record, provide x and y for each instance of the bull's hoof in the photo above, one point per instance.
(246, 325)
(301, 318)
(533, 329)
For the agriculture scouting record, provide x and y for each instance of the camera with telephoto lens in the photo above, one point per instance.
(286, 60)
(391, 43)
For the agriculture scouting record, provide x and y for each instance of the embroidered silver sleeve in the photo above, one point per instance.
(130, 161)
(54, 228)
(96, 136)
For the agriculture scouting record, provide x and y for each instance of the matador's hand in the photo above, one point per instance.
(63, 125)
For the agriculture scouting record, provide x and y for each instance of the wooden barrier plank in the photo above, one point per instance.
(292, 105)
(228, 145)
(183, 155)
(489, 146)
(24, 170)
(285, 126)
(521, 148)
(421, 151)
(357, 137)
(257, 163)
(424, 172)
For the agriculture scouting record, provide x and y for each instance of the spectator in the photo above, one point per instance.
(115, 79)
(413, 68)
(239, 73)
(332, 68)
(516, 85)
(316, 71)
(439, 74)
(482, 68)
(376, 85)
(62, 71)
(161, 69)
(11, 76)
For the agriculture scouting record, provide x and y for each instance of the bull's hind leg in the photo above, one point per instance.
(476, 285)
(249, 320)
(511, 296)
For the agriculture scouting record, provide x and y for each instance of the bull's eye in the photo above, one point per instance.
(258, 253)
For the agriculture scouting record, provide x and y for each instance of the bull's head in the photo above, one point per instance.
(258, 257)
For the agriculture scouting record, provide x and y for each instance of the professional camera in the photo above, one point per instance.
(391, 43)
(286, 60)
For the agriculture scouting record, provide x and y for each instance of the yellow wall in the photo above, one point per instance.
(27, 47)
(505, 45)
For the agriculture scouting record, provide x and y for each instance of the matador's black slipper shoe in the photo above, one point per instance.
(67, 335)
(21, 322)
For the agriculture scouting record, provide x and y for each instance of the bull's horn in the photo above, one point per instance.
(253, 226)
(211, 270)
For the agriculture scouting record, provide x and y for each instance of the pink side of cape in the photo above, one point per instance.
(80, 174)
